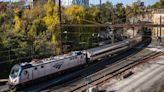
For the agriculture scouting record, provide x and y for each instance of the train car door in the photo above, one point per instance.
(35, 73)
(41, 71)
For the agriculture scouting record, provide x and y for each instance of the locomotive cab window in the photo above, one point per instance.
(15, 71)
(79, 53)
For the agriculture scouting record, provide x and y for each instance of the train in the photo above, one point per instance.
(27, 73)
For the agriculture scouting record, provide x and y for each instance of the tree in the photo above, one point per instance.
(52, 22)
(17, 41)
(38, 27)
(106, 12)
(17, 19)
(159, 4)
(129, 11)
(92, 13)
(2, 18)
(162, 3)
(120, 13)
(74, 14)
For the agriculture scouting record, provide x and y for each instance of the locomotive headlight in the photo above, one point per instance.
(16, 80)
(10, 79)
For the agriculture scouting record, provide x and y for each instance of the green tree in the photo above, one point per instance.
(107, 12)
(92, 13)
(120, 13)
(159, 4)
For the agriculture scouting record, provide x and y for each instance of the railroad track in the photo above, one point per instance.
(105, 74)
(103, 79)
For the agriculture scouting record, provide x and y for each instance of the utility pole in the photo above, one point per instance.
(160, 28)
(157, 32)
(60, 15)
(113, 35)
(60, 24)
(113, 15)
(100, 8)
(100, 4)
(10, 2)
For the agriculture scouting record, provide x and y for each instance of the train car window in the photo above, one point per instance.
(79, 53)
(42, 66)
(35, 68)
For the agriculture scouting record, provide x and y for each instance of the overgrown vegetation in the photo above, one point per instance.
(158, 5)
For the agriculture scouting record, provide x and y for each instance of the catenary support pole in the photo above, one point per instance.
(160, 28)
(60, 24)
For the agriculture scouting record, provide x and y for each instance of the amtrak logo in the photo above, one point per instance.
(57, 66)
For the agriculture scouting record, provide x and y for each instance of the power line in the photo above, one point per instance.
(124, 25)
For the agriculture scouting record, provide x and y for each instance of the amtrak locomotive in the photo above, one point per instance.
(26, 73)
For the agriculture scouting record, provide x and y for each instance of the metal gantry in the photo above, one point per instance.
(126, 25)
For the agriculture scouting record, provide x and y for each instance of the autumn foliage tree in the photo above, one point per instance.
(52, 22)
(74, 14)
(32, 32)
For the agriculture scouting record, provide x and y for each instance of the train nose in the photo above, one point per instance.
(13, 80)
(10, 80)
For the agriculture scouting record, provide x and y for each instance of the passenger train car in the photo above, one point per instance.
(110, 49)
(22, 74)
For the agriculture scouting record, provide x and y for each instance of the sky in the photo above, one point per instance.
(147, 2)
(125, 2)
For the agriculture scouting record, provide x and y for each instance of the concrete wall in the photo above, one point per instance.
(130, 32)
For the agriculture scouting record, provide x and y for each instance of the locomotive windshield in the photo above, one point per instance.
(15, 71)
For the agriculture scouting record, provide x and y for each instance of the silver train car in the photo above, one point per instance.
(26, 73)
(107, 50)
